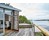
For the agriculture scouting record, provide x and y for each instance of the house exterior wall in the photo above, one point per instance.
(6, 12)
(14, 18)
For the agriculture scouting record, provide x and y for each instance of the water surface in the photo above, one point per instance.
(44, 24)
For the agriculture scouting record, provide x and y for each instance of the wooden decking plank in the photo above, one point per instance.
(22, 32)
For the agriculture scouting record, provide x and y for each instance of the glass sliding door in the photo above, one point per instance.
(8, 20)
(1, 21)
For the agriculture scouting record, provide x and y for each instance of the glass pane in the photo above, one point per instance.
(1, 10)
(1, 26)
(8, 12)
(1, 23)
(1, 16)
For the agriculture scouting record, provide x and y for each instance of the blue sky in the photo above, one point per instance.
(33, 10)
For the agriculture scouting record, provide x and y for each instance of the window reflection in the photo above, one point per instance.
(8, 12)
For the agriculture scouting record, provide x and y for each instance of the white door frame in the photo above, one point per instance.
(3, 22)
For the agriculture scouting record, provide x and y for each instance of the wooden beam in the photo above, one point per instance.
(43, 30)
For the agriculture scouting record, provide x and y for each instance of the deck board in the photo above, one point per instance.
(22, 32)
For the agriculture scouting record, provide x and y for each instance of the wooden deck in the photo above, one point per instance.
(1, 30)
(22, 32)
(29, 31)
(8, 31)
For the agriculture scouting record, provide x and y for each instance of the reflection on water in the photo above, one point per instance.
(44, 24)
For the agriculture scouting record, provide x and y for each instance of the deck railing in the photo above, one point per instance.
(43, 30)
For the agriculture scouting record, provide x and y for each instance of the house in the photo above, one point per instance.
(9, 17)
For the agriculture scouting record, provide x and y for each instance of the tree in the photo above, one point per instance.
(23, 19)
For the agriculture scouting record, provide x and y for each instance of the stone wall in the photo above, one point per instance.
(16, 20)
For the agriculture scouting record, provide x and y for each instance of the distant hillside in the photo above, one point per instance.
(42, 20)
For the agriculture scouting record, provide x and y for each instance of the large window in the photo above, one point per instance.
(8, 12)
(1, 21)
(1, 9)
(1, 13)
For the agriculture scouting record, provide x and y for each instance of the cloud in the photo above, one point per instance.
(33, 10)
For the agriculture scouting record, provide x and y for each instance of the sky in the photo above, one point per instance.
(33, 10)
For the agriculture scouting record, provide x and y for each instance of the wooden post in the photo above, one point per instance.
(33, 28)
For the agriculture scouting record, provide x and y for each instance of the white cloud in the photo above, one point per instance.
(31, 10)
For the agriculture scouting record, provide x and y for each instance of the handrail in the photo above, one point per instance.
(43, 30)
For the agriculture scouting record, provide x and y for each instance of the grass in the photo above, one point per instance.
(38, 34)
